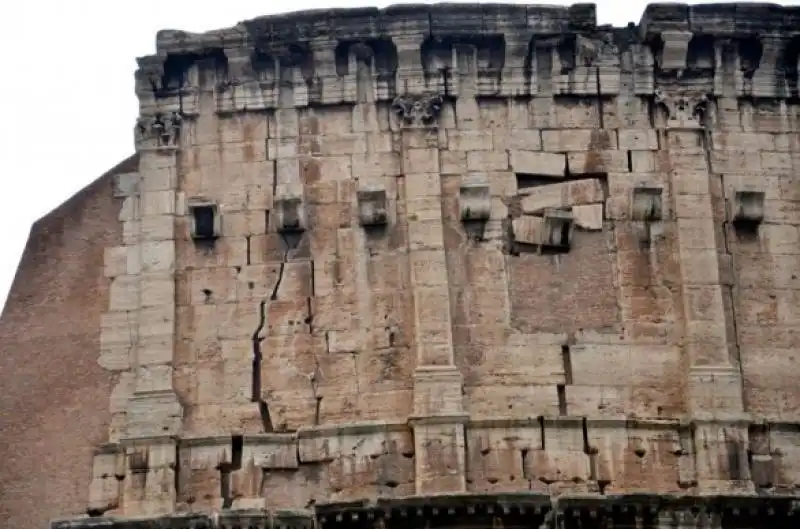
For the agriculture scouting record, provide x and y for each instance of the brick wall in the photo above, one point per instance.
(54, 401)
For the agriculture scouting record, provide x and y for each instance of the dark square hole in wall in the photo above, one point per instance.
(203, 222)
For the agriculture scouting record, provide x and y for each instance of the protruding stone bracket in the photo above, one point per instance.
(746, 208)
(647, 203)
(683, 110)
(372, 206)
(205, 220)
(674, 51)
(418, 110)
(240, 65)
(290, 211)
(161, 130)
(475, 198)
(647, 209)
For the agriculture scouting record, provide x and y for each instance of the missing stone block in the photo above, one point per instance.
(647, 203)
(746, 210)
(475, 199)
(290, 214)
(205, 220)
(372, 208)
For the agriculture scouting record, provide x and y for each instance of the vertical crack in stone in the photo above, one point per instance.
(226, 470)
(263, 311)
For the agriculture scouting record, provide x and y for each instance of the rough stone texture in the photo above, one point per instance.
(54, 404)
(471, 252)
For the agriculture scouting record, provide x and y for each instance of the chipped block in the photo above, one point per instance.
(746, 206)
(647, 203)
(290, 211)
(553, 229)
(562, 195)
(588, 216)
(475, 198)
(372, 210)
(527, 229)
(538, 163)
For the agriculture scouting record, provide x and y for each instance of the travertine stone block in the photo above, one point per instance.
(290, 210)
(528, 229)
(588, 216)
(126, 185)
(538, 163)
(595, 162)
(469, 140)
(638, 139)
(517, 139)
(372, 206)
(579, 140)
(475, 201)
(485, 161)
(158, 203)
(562, 195)
(553, 229)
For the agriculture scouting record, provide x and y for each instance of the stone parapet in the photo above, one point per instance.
(339, 56)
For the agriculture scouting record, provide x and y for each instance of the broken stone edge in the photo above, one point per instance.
(719, 19)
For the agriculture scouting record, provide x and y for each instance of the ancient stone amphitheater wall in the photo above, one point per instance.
(458, 249)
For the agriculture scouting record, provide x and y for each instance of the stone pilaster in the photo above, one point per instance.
(153, 408)
(438, 410)
(713, 398)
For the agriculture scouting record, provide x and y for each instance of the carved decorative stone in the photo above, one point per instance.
(747, 207)
(647, 203)
(372, 209)
(475, 199)
(162, 130)
(596, 51)
(418, 110)
(684, 110)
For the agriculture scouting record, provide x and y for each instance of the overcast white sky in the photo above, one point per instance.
(66, 95)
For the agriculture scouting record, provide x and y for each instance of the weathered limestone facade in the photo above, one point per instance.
(459, 265)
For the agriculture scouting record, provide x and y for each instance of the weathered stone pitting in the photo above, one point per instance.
(505, 266)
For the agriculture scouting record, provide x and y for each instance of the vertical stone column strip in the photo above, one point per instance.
(438, 419)
(153, 409)
(152, 413)
(713, 378)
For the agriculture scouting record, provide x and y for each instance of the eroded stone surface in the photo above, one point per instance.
(429, 273)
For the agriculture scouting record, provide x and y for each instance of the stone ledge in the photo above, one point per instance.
(527, 507)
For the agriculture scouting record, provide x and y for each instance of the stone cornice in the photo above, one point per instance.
(324, 56)
(533, 508)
